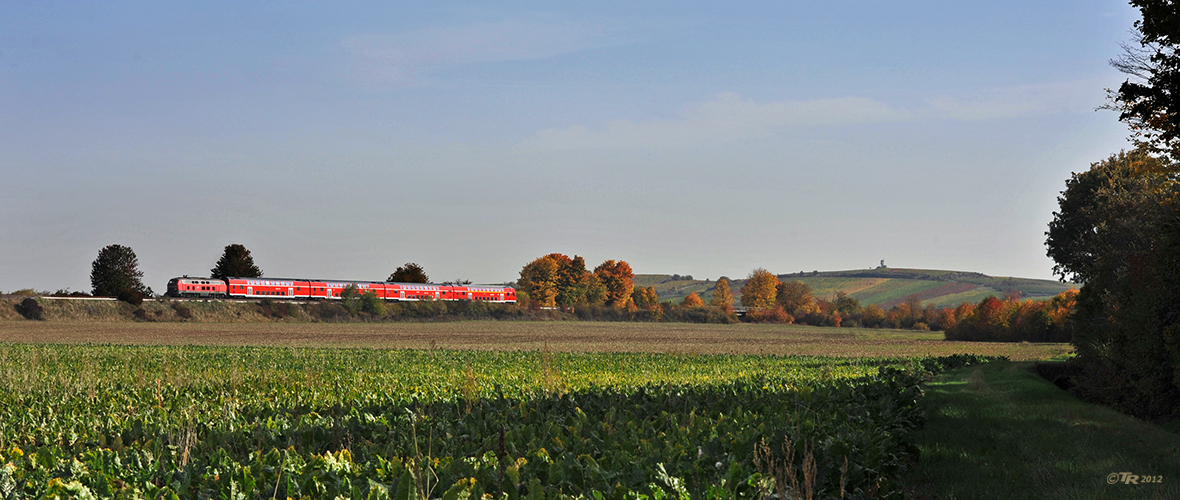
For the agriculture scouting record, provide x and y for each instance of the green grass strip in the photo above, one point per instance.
(1000, 431)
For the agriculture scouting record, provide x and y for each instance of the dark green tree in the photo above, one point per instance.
(845, 304)
(1106, 216)
(409, 273)
(116, 273)
(1149, 101)
(235, 262)
(591, 290)
(569, 276)
(1117, 234)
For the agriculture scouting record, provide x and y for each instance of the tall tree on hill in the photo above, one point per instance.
(409, 273)
(617, 278)
(722, 297)
(235, 261)
(116, 273)
(760, 289)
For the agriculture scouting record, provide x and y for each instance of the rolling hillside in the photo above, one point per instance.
(884, 287)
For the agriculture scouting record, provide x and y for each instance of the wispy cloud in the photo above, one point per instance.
(726, 117)
(394, 60)
(1013, 102)
(729, 117)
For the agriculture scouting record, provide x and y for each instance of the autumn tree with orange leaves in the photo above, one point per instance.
(795, 297)
(760, 290)
(645, 298)
(539, 280)
(557, 279)
(692, 300)
(722, 297)
(617, 278)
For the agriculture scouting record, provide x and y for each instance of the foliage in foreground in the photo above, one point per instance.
(1118, 233)
(251, 423)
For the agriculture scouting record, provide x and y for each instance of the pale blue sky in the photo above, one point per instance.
(698, 138)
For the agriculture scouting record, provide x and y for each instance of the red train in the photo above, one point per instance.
(248, 288)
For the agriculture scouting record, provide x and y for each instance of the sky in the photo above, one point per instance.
(339, 141)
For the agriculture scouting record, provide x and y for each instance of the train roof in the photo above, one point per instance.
(268, 278)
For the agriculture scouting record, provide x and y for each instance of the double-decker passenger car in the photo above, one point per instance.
(291, 288)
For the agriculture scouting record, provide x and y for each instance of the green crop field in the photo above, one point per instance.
(894, 291)
(253, 422)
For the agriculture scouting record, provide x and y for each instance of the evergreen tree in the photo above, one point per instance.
(116, 273)
(235, 262)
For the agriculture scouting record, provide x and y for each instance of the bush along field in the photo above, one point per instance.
(200, 422)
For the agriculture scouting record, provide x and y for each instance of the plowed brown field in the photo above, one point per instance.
(505, 335)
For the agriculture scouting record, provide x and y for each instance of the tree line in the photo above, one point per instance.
(115, 272)
(997, 319)
(1117, 232)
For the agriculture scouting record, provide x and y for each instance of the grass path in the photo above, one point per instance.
(1000, 431)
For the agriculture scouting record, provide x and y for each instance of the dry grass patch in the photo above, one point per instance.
(678, 338)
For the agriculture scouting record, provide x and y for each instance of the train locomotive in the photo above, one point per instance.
(303, 289)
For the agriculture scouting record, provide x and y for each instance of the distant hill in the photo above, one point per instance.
(884, 287)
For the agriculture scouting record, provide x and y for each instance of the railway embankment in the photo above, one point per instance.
(109, 310)
(257, 311)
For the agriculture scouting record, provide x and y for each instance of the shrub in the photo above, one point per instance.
(769, 315)
(692, 300)
(330, 312)
(272, 309)
(702, 314)
(31, 309)
(370, 304)
(182, 310)
(131, 296)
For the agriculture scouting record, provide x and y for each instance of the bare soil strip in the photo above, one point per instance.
(678, 338)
